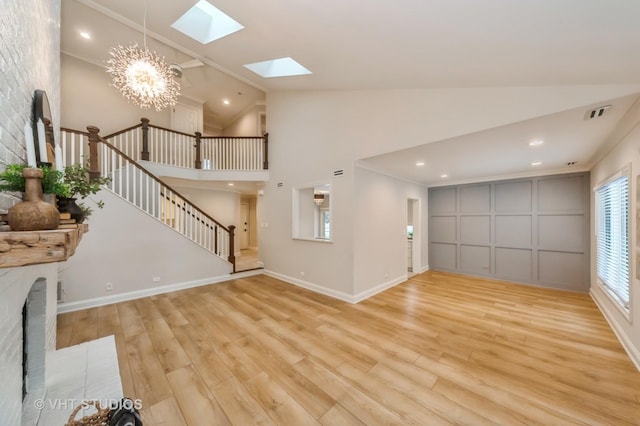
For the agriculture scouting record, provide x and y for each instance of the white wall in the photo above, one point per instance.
(627, 152)
(247, 124)
(89, 99)
(309, 143)
(380, 249)
(314, 133)
(127, 248)
(223, 206)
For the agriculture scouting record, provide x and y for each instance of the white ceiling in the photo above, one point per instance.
(408, 44)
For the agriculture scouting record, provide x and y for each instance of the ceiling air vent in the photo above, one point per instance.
(280, 184)
(338, 172)
(596, 112)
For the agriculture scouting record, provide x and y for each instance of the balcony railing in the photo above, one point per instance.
(148, 142)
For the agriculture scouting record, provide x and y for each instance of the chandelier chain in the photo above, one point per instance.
(144, 24)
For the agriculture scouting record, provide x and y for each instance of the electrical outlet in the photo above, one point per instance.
(156, 279)
(108, 287)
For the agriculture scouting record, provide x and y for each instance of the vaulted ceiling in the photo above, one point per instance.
(359, 45)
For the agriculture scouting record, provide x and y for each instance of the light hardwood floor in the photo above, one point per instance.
(247, 260)
(438, 349)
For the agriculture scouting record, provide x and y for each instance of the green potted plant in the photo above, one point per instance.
(12, 180)
(77, 185)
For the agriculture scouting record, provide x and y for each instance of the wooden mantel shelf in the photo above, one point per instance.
(31, 247)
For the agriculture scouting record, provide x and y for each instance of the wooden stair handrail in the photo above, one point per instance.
(119, 132)
(157, 179)
(192, 135)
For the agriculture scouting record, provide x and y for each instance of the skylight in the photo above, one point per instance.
(205, 23)
(283, 67)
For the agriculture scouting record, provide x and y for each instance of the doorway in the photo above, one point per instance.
(247, 236)
(244, 226)
(413, 236)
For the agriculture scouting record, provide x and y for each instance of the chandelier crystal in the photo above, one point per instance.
(143, 77)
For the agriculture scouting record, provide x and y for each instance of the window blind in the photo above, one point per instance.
(612, 234)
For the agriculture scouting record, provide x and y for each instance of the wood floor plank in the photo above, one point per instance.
(280, 406)
(149, 380)
(196, 402)
(168, 349)
(167, 308)
(409, 410)
(85, 327)
(302, 390)
(165, 413)
(239, 405)
(339, 415)
(210, 366)
(130, 319)
(64, 329)
(359, 404)
(439, 348)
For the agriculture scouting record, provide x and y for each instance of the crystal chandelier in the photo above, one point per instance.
(142, 76)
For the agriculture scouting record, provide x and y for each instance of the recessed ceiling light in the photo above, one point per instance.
(283, 67)
(230, 184)
(420, 163)
(444, 176)
(85, 35)
(205, 23)
(536, 142)
(226, 102)
(536, 163)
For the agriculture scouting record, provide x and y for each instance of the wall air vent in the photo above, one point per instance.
(280, 184)
(338, 172)
(596, 112)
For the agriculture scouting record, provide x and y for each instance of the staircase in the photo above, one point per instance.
(116, 156)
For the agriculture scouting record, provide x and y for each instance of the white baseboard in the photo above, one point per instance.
(424, 269)
(625, 341)
(378, 289)
(340, 295)
(138, 294)
(311, 286)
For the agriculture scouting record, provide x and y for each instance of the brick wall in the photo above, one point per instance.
(29, 60)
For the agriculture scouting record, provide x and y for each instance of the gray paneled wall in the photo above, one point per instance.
(534, 230)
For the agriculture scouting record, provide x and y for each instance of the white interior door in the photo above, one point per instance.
(185, 118)
(244, 226)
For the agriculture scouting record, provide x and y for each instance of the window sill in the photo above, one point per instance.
(315, 240)
(626, 313)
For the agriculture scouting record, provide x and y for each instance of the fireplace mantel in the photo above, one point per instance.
(22, 248)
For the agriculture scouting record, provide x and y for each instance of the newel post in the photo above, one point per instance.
(94, 166)
(266, 151)
(144, 155)
(198, 164)
(232, 250)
